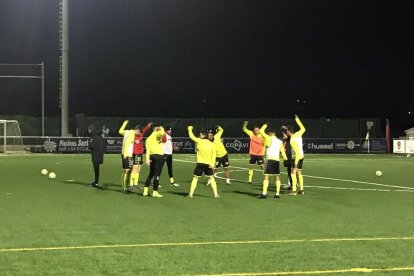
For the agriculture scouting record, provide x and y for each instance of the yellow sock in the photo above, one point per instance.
(300, 176)
(193, 185)
(145, 193)
(250, 175)
(265, 186)
(294, 180)
(213, 185)
(277, 187)
(132, 179)
(136, 178)
(171, 180)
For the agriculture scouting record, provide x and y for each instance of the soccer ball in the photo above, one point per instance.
(378, 173)
(408, 155)
(44, 172)
(52, 175)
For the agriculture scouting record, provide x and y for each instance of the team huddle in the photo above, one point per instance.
(265, 151)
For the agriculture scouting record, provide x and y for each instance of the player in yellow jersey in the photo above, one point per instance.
(222, 158)
(274, 147)
(206, 158)
(155, 159)
(256, 148)
(296, 143)
(127, 151)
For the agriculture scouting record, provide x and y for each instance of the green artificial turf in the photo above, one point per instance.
(39, 213)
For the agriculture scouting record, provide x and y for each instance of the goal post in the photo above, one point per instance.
(11, 137)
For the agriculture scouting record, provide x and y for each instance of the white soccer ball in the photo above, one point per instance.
(408, 155)
(52, 175)
(44, 172)
(378, 173)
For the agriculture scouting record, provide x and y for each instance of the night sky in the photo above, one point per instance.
(340, 59)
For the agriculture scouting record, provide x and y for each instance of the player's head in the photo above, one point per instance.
(168, 130)
(270, 131)
(91, 128)
(256, 130)
(284, 130)
(210, 135)
(203, 133)
(156, 127)
(290, 130)
(137, 130)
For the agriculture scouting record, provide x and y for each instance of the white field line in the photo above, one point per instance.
(326, 178)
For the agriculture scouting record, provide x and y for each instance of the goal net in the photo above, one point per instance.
(10, 136)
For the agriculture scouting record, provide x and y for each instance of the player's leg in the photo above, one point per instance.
(149, 177)
(289, 174)
(265, 186)
(226, 166)
(277, 194)
(169, 161)
(126, 165)
(159, 163)
(209, 173)
(96, 173)
(198, 171)
(218, 165)
(300, 176)
(252, 162)
(294, 179)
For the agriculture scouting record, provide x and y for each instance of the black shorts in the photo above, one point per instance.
(223, 161)
(299, 166)
(126, 162)
(272, 167)
(256, 159)
(203, 168)
(137, 159)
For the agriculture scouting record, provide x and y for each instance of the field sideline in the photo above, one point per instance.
(348, 222)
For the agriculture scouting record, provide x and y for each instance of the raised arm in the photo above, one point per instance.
(247, 131)
(191, 134)
(301, 127)
(283, 152)
(122, 129)
(264, 135)
(219, 133)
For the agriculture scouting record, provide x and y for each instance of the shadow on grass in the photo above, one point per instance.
(103, 187)
(246, 193)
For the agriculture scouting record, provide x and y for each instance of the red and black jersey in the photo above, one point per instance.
(138, 144)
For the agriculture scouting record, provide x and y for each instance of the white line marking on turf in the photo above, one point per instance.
(176, 244)
(314, 272)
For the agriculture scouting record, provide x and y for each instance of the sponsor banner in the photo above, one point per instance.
(409, 146)
(399, 146)
(233, 145)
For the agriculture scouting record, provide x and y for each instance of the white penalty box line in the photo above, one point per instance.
(400, 188)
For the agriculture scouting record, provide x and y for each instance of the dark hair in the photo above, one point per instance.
(138, 127)
(270, 129)
(256, 126)
(167, 128)
(204, 132)
(91, 128)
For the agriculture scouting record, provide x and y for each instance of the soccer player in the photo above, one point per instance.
(127, 151)
(288, 149)
(168, 154)
(296, 143)
(256, 148)
(222, 158)
(155, 159)
(206, 158)
(97, 147)
(274, 147)
(137, 160)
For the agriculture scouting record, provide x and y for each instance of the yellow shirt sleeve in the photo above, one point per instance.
(219, 133)
(148, 150)
(264, 135)
(191, 135)
(122, 129)
(302, 129)
(247, 131)
(283, 152)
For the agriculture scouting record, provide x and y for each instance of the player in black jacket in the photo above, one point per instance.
(97, 147)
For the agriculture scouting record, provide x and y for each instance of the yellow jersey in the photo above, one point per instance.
(206, 152)
(218, 144)
(153, 143)
(128, 141)
(296, 141)
(274, 146)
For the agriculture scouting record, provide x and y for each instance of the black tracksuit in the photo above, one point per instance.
(97, 146)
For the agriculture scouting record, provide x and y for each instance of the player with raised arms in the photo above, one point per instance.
(274, 147)
(138, 151)
(206, 158)
(126, 154)
(296, 143)
(155, 159)
(222, 158)
(256, 148)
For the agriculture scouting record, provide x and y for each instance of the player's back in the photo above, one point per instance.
(205, 149)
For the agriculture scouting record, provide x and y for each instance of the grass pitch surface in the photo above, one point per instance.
(348, 222)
